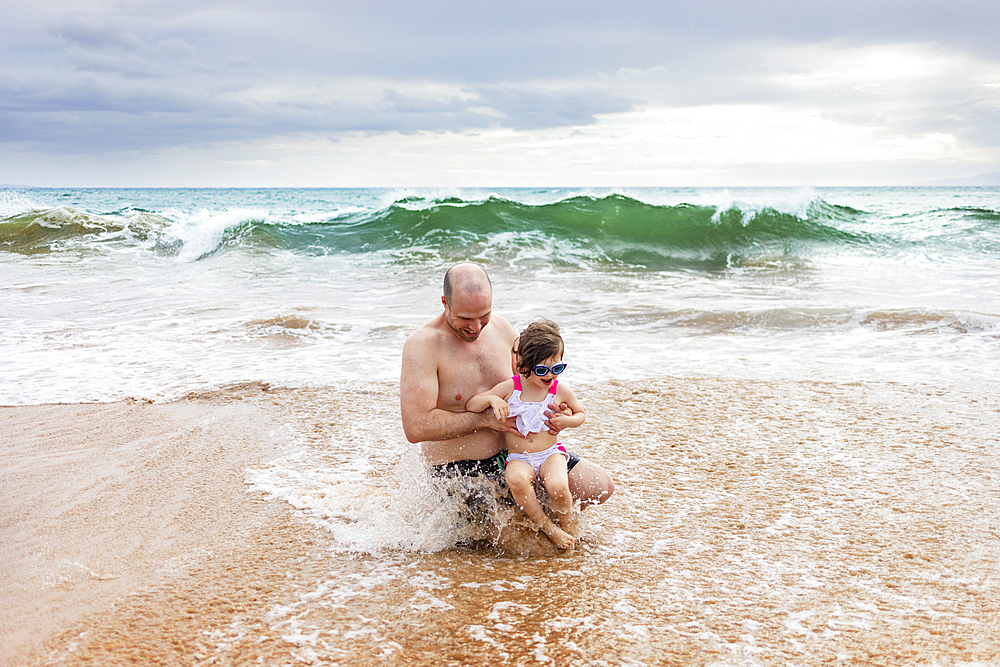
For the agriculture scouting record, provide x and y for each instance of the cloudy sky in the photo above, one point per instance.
(475, 93)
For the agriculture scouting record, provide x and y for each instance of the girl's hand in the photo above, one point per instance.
(502, 421)
(500, 408)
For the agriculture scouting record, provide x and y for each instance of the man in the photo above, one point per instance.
(464, 351)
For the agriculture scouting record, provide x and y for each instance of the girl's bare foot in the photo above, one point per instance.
(559, 537)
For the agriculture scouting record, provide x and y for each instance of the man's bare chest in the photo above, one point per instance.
(462, 376)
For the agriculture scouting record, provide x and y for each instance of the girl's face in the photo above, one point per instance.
(545, 381)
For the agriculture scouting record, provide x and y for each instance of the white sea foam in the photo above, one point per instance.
(362, 514)
(792, 202)
(13, 202)
(202, 233)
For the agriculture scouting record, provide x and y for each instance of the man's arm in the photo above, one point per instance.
(418, 396)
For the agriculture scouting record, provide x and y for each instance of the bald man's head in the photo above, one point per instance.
(468, 300)
(466, 279)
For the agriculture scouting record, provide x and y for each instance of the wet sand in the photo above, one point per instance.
(100, 501)
(754, 523)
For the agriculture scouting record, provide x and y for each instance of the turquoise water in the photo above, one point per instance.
(111, 293)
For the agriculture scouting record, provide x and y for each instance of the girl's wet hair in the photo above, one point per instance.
(539, 341)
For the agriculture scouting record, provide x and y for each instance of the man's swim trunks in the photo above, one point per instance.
(493, 467)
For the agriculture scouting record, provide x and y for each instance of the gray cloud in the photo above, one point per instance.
(531, 108)
(186, 73)
(490, 42)
(96, 33)
(97, 118)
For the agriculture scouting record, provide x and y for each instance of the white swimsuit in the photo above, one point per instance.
(530, 414)
(536, 459)
(531, 419)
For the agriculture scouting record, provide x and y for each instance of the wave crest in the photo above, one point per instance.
(576, 230)
(62, 227)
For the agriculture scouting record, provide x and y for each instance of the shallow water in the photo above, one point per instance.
(753, 523)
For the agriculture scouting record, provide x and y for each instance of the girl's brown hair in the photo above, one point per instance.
(539, 341)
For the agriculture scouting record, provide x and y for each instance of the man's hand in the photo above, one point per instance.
(556, 415)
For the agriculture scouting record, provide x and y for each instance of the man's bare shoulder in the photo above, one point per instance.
(499, 319)
(504, 328)
(427, 338)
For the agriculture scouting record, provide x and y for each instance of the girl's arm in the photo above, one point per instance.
(494, 398)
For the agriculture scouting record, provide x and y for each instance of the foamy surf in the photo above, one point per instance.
(753, 523)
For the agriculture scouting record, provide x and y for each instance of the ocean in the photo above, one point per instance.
(794, 389)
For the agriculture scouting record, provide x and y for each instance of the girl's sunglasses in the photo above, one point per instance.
(542, 370)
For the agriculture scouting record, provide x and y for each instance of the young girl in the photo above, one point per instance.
(527, 396)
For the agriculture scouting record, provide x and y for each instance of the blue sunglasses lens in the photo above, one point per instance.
(556, 369)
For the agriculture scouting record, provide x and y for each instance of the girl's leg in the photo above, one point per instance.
(556, 479)
(521, 480)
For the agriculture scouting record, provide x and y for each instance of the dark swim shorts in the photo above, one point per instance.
(493, 467)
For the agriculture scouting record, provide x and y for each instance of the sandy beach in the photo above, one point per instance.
(754, 523)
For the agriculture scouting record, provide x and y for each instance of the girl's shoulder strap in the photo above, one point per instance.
(552, 389)
(517, 382)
